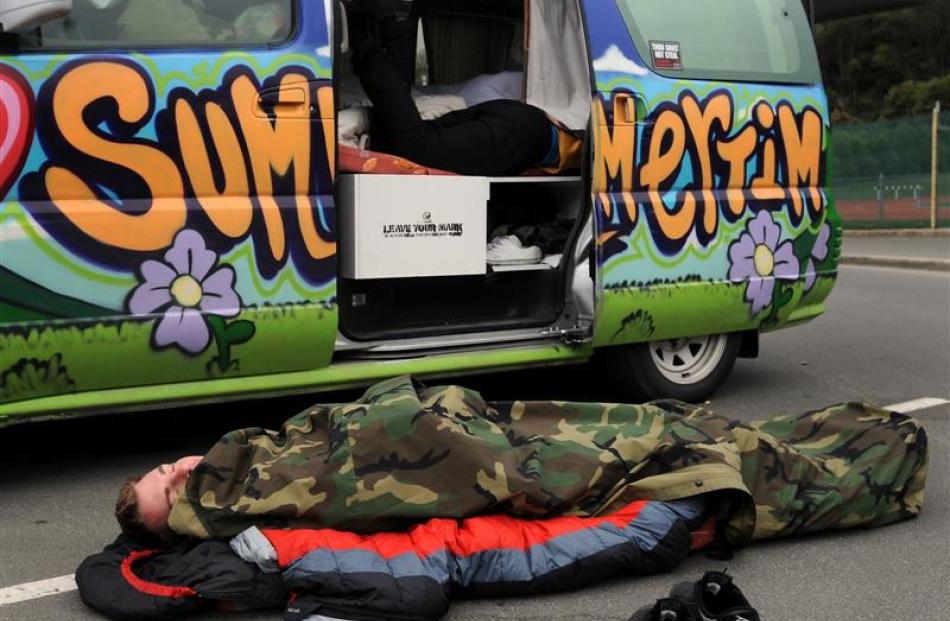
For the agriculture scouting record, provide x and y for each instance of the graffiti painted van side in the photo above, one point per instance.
(167, 216)
(711, 208)
(170, 218)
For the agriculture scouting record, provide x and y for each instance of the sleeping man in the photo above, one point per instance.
(404, 454)
(145, 501)
(390, 506)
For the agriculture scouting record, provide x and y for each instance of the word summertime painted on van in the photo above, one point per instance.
(219, 147)
(774, 159)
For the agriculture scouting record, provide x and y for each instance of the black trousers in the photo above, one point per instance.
(495, 138)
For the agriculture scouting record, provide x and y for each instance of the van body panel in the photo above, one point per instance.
(139, 188)
(691, 177)
(333, 377)
(176, 180)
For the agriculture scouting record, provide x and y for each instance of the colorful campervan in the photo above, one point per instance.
(187, 211)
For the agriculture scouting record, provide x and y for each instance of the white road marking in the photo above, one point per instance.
(36, 590)
(917, 404)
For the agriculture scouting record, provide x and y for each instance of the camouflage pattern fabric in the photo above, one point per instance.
(404, 453)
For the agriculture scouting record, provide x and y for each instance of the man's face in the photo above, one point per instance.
(157, 491)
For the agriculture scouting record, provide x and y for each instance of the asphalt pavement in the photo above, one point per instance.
(885, 338)
(916, 247)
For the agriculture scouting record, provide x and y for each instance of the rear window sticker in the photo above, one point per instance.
(666, 54)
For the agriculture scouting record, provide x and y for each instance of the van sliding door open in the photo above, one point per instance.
(428, 254)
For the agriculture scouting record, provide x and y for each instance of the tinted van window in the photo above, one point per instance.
(148, 23)
(754, 40)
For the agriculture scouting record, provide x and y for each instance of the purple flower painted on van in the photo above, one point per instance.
(819, 252)
(758, 258)
(185, 288)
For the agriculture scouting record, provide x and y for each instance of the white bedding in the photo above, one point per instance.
(355, 113)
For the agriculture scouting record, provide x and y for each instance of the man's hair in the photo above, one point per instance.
(130, 521)
(127, 510)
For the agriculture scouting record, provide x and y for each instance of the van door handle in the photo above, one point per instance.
(628, 109)
(284, 101)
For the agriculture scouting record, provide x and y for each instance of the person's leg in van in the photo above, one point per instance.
(398, 36)
(397, 125)
(502, 137)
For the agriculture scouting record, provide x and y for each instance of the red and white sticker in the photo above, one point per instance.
(666, 55)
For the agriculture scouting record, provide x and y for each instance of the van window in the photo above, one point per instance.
(150, 23)
(752, 40)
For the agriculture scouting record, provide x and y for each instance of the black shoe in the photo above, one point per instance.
(715, 597)
(666, 609)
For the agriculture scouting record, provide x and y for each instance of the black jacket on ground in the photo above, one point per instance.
(128, 582)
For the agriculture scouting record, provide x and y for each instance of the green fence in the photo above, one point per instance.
(881, 172)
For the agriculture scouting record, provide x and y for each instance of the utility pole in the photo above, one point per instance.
(880, 197)
(933, 167)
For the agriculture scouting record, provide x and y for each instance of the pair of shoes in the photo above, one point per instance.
(714, 597)
(507, 250)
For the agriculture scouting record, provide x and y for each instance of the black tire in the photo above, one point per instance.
(636, 372)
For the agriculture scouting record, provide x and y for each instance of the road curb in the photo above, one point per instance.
(910, 263)
(896, 232)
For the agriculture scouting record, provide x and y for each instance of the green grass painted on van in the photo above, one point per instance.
(693, 307)
(326, 378)
(48, 360)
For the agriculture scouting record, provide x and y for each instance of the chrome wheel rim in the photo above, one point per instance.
(689, 360)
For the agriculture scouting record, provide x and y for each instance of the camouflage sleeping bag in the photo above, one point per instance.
(404, 453)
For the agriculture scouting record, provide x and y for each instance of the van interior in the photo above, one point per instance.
(532, 50)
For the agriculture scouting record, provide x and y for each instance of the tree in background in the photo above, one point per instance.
(886, 65)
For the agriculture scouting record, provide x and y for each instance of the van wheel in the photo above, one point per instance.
(688, 369)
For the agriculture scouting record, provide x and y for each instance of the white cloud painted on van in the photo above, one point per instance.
(614, 60)
(328, 14)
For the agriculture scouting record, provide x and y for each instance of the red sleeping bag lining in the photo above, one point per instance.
(411, 575)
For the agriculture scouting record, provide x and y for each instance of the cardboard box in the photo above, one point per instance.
(407, 226)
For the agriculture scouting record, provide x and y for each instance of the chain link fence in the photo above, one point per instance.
(881, 172)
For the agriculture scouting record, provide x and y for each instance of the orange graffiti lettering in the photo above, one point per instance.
(614, 153)
(737, 152)
(154, 228)
(325, 100)
(765, 187)
(660, 166)
(274, 146)
(230, 210)
(802, 154)
(786, 149)
(700, 122)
